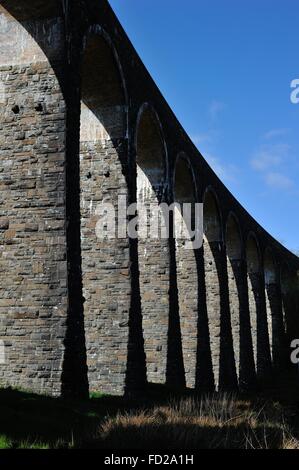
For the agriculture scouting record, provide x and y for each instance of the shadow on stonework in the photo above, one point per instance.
(204, 368)
(247, 375)
(175, 373)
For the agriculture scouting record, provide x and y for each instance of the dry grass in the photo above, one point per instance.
(267, 420)
(214, 421)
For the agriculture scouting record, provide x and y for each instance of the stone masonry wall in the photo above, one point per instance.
(105, 266)
(33, 271)
(78, 310)
(188, 307)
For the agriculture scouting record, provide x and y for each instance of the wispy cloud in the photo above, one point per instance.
(275, 133)
(215, 108)
(198, 139)
(279, 181)
(273, 161)
(270, 155)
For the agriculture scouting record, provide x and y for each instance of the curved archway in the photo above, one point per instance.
(289, 290)
(286, 290)
(239, 304)
(217, 298)
(153, 250)
(257, 307)
(253, 270)
(270, 283)
(184, 190)
(234, 255)
(212, 241)
(103, 171)
(287, 308)
(274, 309)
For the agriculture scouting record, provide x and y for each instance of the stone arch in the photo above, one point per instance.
(257, 307)
(253, 254)
(212, 240)
(239, 303)
(286, 290)
(32, 111)
(212, 217)
(288, 308)
(153, 250)
(253, 270)
(234, 244)
(289, 290)
(270, 284)
(103, 184)
(151, 154)
(234, 257)
(270, 267)
(217, 299)
(184, 192)
(274, 308)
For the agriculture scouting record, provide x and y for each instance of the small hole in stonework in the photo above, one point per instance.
(15, 109)
(88, 176)
(39, 107)
(107, 174)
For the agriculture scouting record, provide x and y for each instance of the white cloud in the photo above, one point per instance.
(273, 161)
(278, 181)
(198, 139)
(269, 156)
(215, 108)
(274, 133)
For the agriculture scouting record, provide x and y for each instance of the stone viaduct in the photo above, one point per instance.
(82, 122)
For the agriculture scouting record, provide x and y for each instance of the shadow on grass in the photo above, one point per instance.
(27, 417)
(31, 420)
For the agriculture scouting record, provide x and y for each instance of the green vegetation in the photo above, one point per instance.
(160, 418)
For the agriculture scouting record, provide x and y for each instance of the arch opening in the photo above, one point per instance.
(235, 283)
(153, 250)
(103, 104)
(184, 190)
(258, 310)
(253, 273)
(212, 248)
(233, 239)
(271, 294)
(289, 326)
(274, 309)
(103, 172)
(286, 291)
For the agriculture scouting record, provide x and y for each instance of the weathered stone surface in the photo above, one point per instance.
(82, 123)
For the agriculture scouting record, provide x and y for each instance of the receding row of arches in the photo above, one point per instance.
(214, 316)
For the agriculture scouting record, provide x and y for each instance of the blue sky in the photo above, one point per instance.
(225, 68)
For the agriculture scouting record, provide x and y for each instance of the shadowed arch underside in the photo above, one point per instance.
(186, 265)
(239, 308)
(257, 307)
(153, 251)
(217, 298)
(274, 310)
